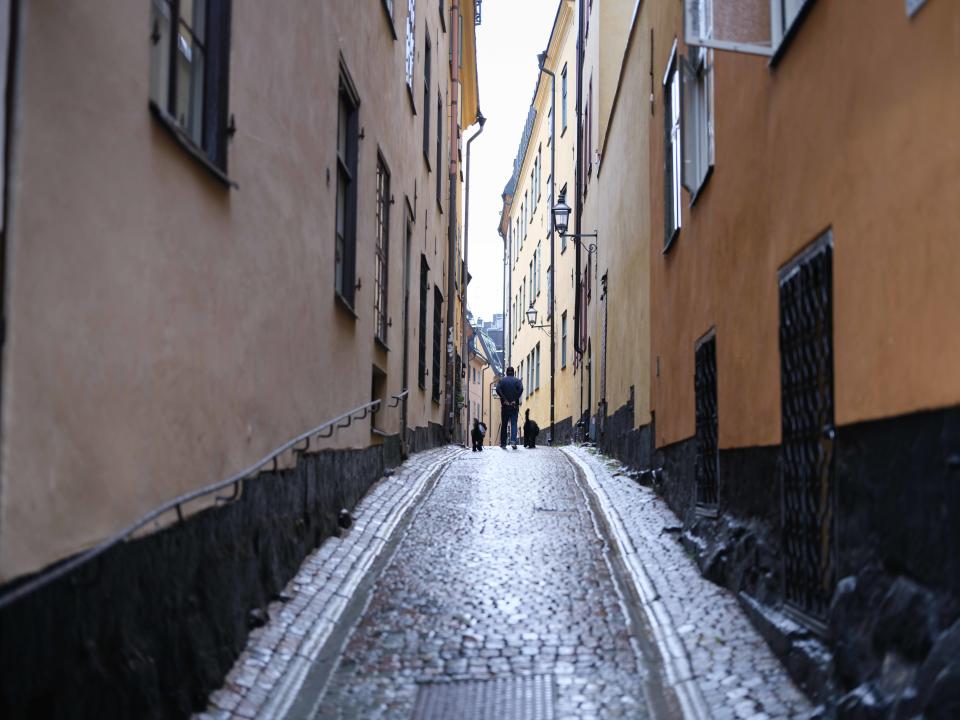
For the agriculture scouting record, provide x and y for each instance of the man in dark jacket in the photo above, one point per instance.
(510, 390)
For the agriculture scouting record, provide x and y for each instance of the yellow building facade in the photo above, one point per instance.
(544, 169)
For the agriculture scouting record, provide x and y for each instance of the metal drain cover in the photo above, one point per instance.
(510, 698)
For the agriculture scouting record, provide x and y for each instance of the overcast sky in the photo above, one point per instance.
(513, 32)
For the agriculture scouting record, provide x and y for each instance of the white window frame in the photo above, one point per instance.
(672, 152)
(697, 118)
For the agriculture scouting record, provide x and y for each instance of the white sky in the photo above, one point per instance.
(511, 36)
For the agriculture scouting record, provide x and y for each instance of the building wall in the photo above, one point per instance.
(781, 133)
(623, 246)
(165, 331)
(523, 338)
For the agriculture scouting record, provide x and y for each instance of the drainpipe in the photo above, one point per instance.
(553, 234)
(577, 308)
(451, 384)
(466, 256)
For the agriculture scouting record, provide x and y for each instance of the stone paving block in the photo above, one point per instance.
(724, 651)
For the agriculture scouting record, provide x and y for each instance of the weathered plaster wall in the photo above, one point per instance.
(165, 331)
(867, 151)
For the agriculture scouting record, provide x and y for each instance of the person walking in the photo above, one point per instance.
(510, 390)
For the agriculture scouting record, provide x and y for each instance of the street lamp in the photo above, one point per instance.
(561, 214)
(532, 319)
(561, 217)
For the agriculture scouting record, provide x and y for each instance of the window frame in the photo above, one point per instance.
(563, 340)
(427, 72)
(382, 251)
(347, 167)
(216, 129)
(439, 152)
(697, 133)
(435, 393)
(672, 150)
(563, 100)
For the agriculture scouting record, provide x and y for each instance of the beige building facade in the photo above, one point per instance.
(544, 170)
(218, 238)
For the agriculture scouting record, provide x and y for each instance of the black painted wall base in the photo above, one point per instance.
(152, 626)
(563, 429)
(891, 648)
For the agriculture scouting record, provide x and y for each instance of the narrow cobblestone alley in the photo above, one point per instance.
(501, 573)
(546, 575)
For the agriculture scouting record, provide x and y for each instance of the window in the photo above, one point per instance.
(382, 249)
(671, 149)
(697, 108)
(426, 101)
(422, 337)
(437, 340)
(563, 238)
(563, 340)
(411, 42)
(539, 170)
(189, 73)
(563, 98)
(439, 153)
(536, 266)
(588, 130)
(533, 181)
(533, 279)
(537, 378)
(346, 244)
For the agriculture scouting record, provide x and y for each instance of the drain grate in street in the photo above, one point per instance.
(511, 698)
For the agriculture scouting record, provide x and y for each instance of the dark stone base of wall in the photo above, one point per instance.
(563, 429)
(425, 438)
(890, 647)
(152, 626)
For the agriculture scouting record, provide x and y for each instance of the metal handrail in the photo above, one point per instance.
(58, 571)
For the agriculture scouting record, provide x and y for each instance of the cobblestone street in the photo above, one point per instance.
(504, 571)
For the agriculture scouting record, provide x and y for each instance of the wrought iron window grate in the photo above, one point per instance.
(807, 487)
(708, 458)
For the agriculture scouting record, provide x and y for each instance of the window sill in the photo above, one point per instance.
(671, 241)
(426, 161)
(345, 305)
(563, 131)
(184, 141)
(436, 401)
(389, 18)
(381, 342)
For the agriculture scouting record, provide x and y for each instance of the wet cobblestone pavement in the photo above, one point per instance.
(501, 573)
(467, 568)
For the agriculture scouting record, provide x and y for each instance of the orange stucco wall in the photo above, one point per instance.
(854, 129)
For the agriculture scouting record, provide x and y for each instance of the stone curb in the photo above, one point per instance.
(676, 662)
(348, 560)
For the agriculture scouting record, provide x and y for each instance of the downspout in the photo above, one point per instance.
(577, 220)
(450, 401)
(14, 80)
(553, 235)
(466, 260)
